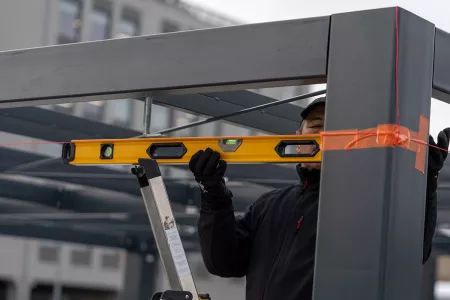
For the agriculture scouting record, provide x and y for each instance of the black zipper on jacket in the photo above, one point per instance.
(297, 229)
(299, 223)
(277, 258)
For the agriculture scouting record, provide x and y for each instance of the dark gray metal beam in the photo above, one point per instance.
(54, 126)
(75, 234)
(85, 233)
(182, 188)
(372, 201)
(66, 196)
(29, 219)
(283, 119)
(67, 73)
(441, 76)
(101, 199)
(133, 224)
(14, 206)
(33, 184)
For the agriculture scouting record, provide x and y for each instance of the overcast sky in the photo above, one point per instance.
(255, 11)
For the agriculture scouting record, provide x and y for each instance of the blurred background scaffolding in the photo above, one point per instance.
(82, 233)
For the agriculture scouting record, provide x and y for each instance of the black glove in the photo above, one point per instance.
(209, 170)
(436, 158)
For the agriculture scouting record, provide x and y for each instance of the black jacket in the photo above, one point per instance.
(273, 245)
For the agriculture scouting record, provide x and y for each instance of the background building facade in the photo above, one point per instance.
(32, 268)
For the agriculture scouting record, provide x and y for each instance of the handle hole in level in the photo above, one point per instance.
(166, 151)
(297, 148)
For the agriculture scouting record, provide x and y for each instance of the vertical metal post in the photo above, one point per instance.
(164, 227)
(429, 278)
(147, 115)
(372, 201)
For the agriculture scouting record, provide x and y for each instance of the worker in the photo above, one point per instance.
(262, 245)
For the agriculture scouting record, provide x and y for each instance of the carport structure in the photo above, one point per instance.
(376, 63)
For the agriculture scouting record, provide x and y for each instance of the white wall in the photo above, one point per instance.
(21, 264)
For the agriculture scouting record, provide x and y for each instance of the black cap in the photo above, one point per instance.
(317, 102)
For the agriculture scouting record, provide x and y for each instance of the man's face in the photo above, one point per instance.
(313, 124)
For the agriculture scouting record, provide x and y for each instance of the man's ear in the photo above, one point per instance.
(300, 128)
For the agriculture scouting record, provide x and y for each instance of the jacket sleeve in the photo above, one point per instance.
(430, 216)
(226, 240)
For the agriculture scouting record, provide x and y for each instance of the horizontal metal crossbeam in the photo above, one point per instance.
(282, 119)
(54, 126)
(441, 75)
(81, 72)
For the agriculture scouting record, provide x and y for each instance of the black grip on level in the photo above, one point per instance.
(68, 152)
(151, 167)
(281, 148)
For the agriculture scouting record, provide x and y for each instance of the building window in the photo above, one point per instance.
(121, 112)
(69, 21)
(129, 24)
(49, 254)
(93, 110)
(110, 261)
(169, 26)
(81, 257)
(100, 22)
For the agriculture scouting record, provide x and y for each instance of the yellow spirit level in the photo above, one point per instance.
(249, 149)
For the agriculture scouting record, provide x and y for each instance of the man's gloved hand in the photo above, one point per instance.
(209, 170)
(436, 157)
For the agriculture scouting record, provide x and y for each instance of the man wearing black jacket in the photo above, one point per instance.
(273, 244)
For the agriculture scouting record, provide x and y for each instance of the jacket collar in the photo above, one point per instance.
(311, 177)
